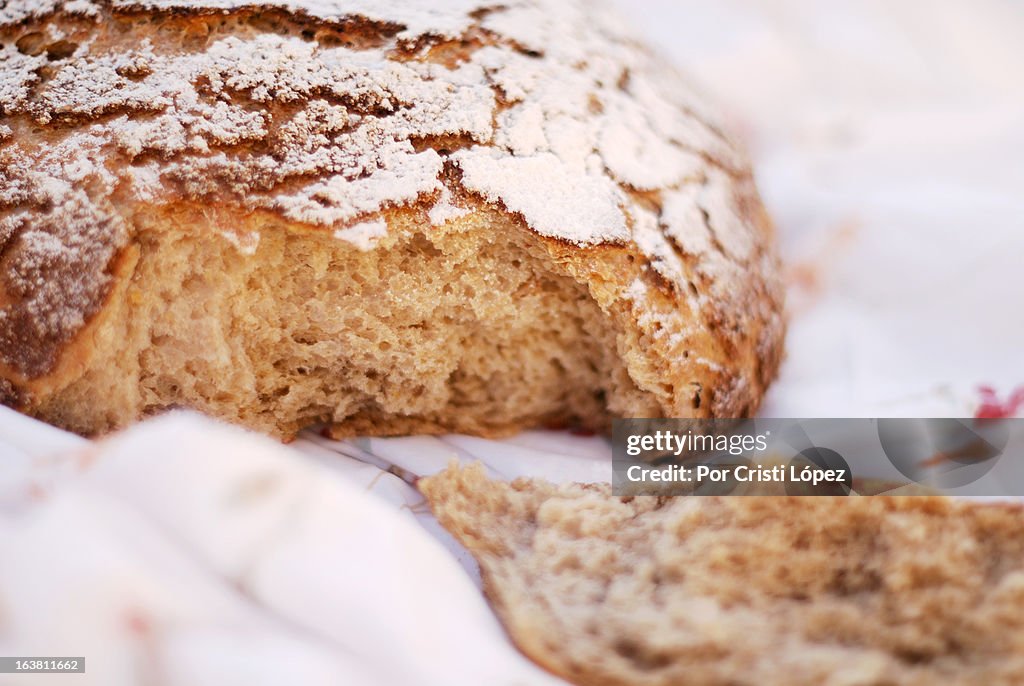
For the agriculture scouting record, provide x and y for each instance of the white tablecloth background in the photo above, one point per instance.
(888, 139)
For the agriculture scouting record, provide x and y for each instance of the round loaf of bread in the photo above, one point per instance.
(388, 216)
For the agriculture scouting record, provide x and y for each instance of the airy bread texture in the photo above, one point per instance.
(387, 216)
(605, 591)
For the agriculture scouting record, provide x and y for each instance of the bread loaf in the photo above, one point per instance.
(388, 216)
(751, 590)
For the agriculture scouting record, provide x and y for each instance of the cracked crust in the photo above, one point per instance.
(372, 123)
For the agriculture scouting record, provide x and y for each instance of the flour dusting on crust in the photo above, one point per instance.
(580, 208)
(365, 234)
(449, 18)
(328, 113)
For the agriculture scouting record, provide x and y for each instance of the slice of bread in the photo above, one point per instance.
(752, 590)
(391, 216)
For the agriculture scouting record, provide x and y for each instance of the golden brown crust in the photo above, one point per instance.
(353, 119)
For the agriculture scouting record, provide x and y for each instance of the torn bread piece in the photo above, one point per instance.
(649, 591)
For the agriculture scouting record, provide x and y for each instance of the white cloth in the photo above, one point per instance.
(887, 141)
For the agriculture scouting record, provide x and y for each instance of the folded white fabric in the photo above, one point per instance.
(186, 552)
